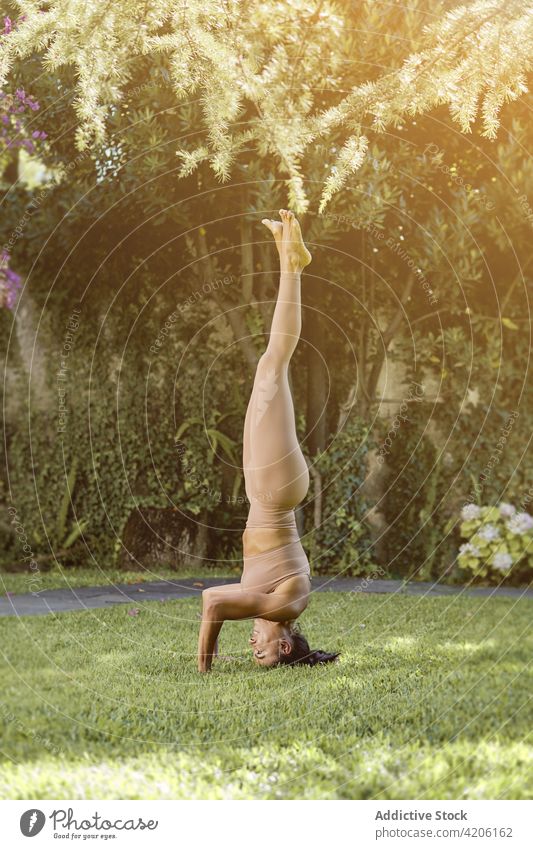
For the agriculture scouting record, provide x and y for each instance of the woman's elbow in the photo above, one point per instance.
(210, 603)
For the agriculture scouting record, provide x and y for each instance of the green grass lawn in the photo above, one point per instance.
(25, 582)
(429, 700)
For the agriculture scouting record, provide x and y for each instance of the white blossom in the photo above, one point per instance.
(488, 532)
(502, 561)
(470, 511)
(467, 548)
(506, 509)
(520, 524)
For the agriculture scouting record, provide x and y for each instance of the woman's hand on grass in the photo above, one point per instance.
(209, 631)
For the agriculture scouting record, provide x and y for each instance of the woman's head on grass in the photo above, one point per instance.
(282, 644)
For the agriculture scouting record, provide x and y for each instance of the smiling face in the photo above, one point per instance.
(269, 640)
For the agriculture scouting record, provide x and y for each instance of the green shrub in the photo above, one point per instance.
(414, 483)
(499, 542)
(341, 543)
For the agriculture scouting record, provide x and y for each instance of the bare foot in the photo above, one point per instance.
(293, 253)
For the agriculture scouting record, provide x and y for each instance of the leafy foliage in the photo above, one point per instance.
(341, 544)
(245, 61)
(413, 488)
(422, 259)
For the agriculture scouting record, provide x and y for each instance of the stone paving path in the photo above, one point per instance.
(84, 598)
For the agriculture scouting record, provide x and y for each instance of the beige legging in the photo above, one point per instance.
(275, 471)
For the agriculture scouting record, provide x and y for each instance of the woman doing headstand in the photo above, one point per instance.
(276, 582)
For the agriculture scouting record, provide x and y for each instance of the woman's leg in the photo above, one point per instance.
(274, 466)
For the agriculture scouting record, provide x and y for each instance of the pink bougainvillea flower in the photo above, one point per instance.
(10, 283)
(13, 115)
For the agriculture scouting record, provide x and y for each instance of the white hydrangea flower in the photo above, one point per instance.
(507, 510)
(520, 523)
(488, 532)
(470, 511)
(467, 548)
(502, 561)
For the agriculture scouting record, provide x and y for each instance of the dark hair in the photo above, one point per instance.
(301, 654)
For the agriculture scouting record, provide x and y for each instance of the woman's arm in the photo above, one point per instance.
(207, 641)
(231, 602)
